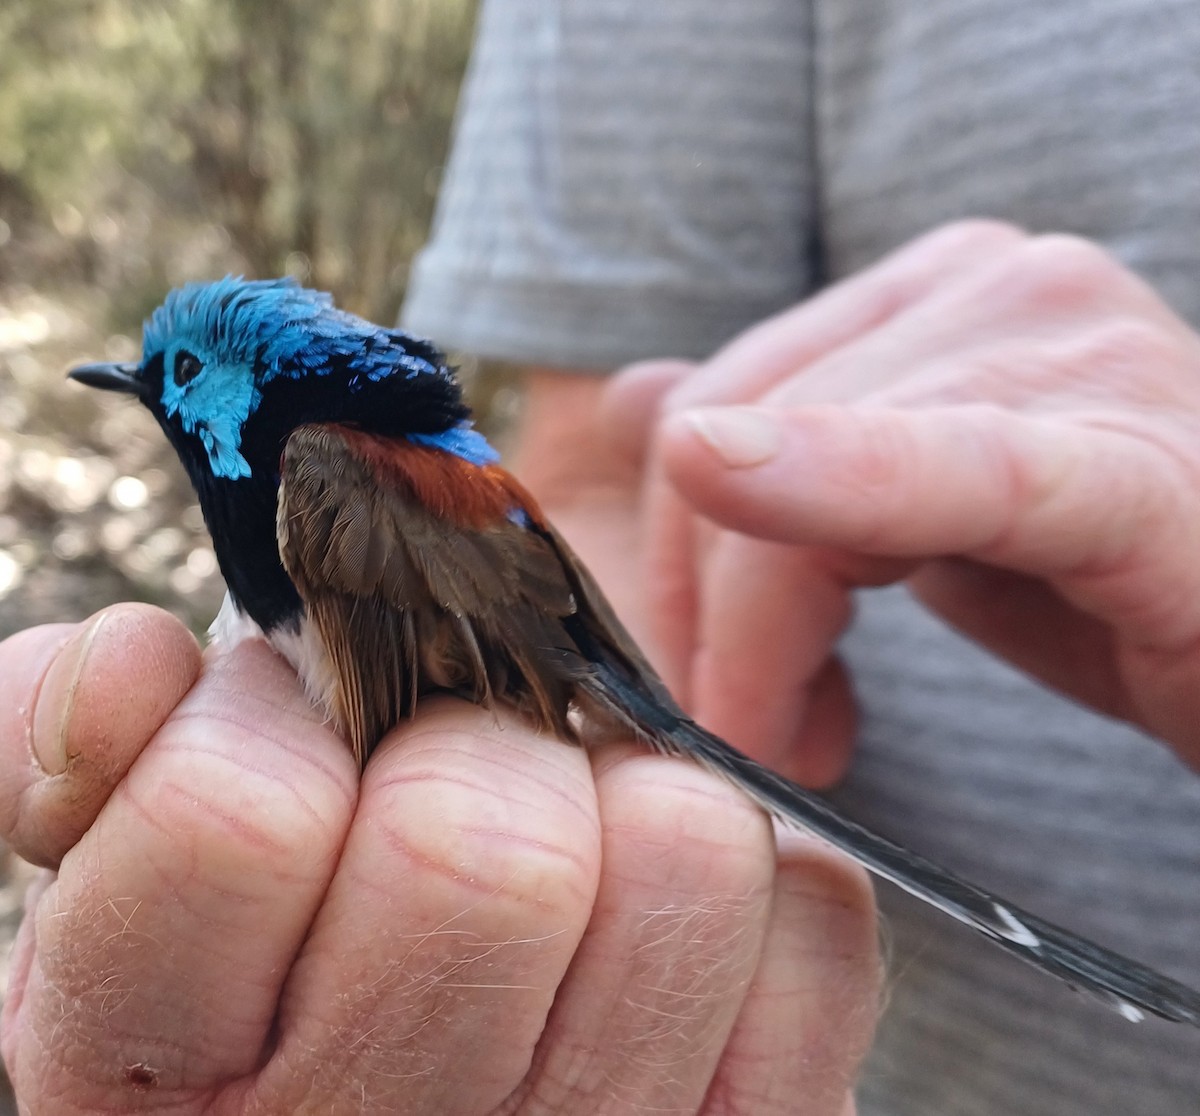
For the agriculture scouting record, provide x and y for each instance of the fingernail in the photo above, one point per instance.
(742, 437)
(56, 699)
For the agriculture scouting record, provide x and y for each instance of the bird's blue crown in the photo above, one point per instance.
(220, 345)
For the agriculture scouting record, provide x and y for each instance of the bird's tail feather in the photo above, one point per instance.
(1126, 985)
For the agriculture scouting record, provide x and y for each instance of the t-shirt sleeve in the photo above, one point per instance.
(628, 179)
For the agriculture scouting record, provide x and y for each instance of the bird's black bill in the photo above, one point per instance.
(109, 377)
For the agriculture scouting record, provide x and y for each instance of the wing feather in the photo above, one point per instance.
(497, 607)
(406, 603)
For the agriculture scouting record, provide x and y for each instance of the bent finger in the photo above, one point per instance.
(1025, 621)
(675, 936)
(465, 885)
(78, 703)
(812, 1007)
(633, 401)
(161, 947)
(673, 551)
(770, 617)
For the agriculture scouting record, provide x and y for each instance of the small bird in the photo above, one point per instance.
(366, 529)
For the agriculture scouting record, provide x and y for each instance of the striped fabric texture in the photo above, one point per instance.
(634, 179)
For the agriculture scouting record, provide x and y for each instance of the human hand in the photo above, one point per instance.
(590, 487)
(1010, 423)
(489, 922)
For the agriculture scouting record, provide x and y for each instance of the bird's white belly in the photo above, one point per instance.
(303, 649)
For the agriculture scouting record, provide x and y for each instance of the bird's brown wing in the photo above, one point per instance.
(420, 572)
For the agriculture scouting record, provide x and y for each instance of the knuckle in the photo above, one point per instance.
(85, 1042)
(229, 823)
(475, 825)
(904, 278)
(1122, 350)
(1062, 271)
(829, 882)
(976, 234)
(956, 246)
(675, 819)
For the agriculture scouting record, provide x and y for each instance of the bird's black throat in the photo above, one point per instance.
(241, 513)
(240, 516)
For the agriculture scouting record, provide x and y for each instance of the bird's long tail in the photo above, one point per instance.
(1129, 987)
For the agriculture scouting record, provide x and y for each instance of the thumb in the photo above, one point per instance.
(1107, 517)
(78, 703)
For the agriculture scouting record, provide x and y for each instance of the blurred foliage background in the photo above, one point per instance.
(144, 143)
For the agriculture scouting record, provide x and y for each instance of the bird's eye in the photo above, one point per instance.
(187, 367)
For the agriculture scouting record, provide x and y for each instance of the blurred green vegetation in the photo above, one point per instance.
(144, 143)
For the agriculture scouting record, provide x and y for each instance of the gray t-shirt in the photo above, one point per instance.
(633, 179)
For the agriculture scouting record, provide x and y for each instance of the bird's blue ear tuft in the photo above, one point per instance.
(463, 441)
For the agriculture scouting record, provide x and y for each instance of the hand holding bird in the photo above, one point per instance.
(208, 441)
(487, 921)
(364, 527)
